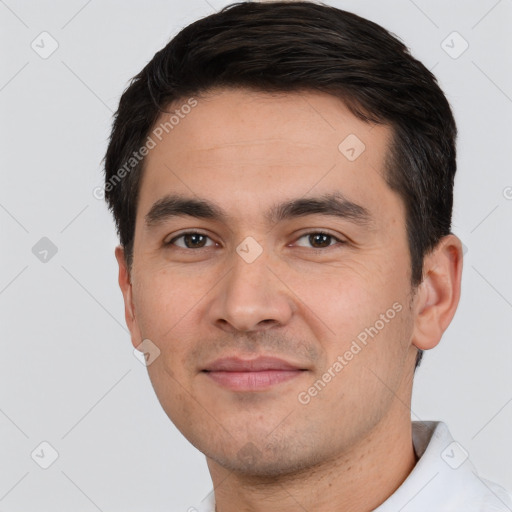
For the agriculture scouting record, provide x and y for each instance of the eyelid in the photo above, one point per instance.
(340, 241)
(185, 233)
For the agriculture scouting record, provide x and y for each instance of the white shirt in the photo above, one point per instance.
(443, 480)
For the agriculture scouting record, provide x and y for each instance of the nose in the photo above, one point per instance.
(251, 297)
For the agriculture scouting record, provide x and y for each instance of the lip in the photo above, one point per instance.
(257, 374)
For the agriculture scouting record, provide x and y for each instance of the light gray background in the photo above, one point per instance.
(68, 374)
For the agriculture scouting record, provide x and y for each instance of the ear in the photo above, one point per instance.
(126, 287)
(438, 294)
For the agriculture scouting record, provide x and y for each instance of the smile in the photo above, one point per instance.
(251, 375)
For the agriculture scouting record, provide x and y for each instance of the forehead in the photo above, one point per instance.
(236, 145)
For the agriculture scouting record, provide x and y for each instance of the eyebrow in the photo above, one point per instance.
(334, 204)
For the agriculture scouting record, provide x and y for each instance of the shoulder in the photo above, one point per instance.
(444, 478)
(493, 497)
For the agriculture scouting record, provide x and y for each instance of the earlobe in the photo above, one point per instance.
(439, 293)
(125, 284)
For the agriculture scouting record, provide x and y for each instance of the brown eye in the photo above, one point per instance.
(190, 241)
(194, 240)
(319, 240)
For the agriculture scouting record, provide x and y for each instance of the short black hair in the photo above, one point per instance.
(291, 47)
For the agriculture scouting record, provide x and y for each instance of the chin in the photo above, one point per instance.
(250, 461)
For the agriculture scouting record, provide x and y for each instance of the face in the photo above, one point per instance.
(271, 270)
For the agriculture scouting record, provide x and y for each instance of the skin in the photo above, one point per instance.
(350, 447)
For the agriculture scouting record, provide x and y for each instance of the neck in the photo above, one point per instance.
(358, 481)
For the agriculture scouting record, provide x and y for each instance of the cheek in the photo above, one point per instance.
(348, 299)
(365, 317)
(173, 393)
(167, 307)
(163, 301)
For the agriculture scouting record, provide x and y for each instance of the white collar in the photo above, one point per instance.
(443, 480)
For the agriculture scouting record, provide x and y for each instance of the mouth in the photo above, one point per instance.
(252, 374)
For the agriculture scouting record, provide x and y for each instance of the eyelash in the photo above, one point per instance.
(309, 233)
(338, 241)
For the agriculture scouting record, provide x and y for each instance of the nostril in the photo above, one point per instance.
(268, 321)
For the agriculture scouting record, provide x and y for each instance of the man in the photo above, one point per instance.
(281, 177)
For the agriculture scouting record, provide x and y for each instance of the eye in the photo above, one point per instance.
(191, 240)
(319, 240)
